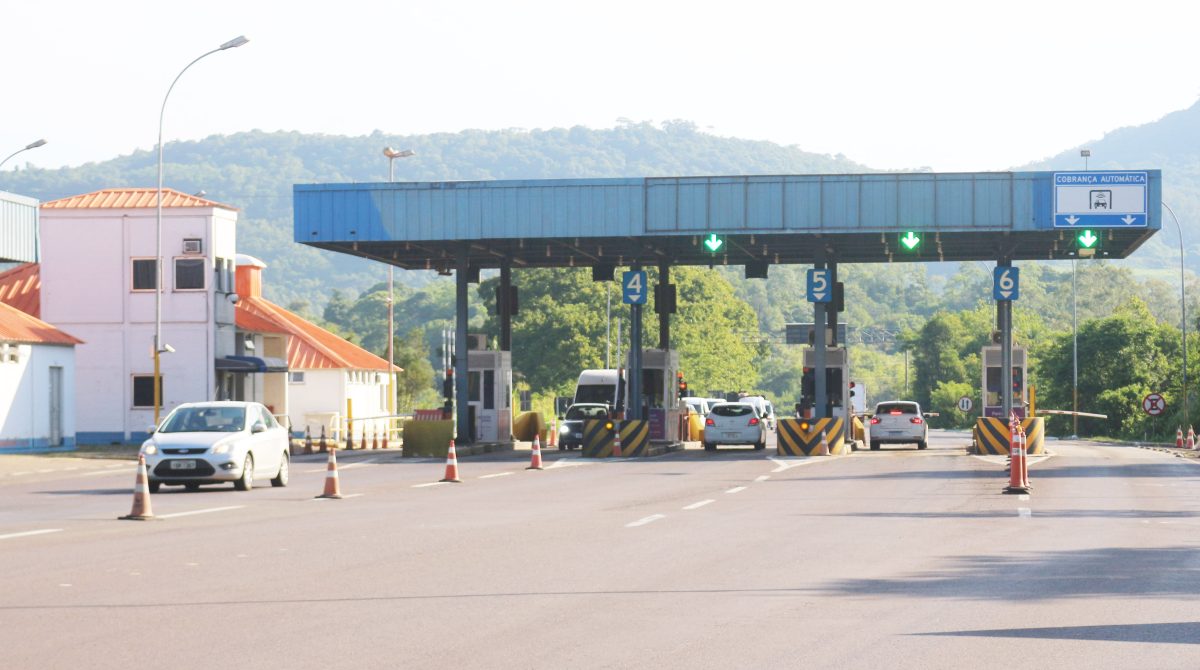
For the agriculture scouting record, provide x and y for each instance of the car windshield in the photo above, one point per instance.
(577, 412)
(896, 408)
(732, 410)
(206, 420)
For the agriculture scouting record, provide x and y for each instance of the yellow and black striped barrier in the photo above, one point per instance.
(992, 436)
(598, 438)
(802, 437)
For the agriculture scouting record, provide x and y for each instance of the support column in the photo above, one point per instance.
(1004, 315)
(820, 404)
(664, 316)
(504, 305)
(462, 409)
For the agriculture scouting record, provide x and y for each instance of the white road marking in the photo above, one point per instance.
(31, 532)
(1023, 496)
(698, 505)
(762, 478)
(642, 522)
(64, 585)
(357, 464)
(115, 465)
(569, 463)
(496, 474)
(105, 472)
(736, 489)
(1024, 512)
(42, 472)
(200, 511)
(797, 462)
(18, 474)
(421, 486)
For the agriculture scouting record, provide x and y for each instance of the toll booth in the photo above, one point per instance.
(993, 401)
(489, 395)
(660, 394)
(837, 372)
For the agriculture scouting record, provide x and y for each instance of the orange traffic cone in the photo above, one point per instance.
(1191, 441)
(308, 448)
(324, 447)
(535, 461)
(386, 429)
(616, 440)
(362, 438)
(332, 489)
(452, 465)
(552, 438)
(349, 439)
(824, 445)
(141, 495)
(1179, 437)
(1016, 470)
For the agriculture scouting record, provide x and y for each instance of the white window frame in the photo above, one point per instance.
(175, 274)
(133, 274)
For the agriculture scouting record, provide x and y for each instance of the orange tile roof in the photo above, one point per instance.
(309, 346)
(21, 287)
(17, 326)
(131, 198)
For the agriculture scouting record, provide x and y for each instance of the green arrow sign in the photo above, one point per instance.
(713, 242)
(910, 240)
(1087, 239)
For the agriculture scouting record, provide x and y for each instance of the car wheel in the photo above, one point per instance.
(710, 447)
(874, 445)
(922, 444)
(761, 445)
(246, 481)
(154, 486)
(281, 479)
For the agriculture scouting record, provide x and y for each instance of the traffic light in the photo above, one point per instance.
(713, 243)
(910, 242)
(682, 384)
(1086, 242)
(808, 387)
(448, 384)
(1018, 383)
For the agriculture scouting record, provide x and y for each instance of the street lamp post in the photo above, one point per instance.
(392, 155)
(1183, 320)
(1085, 154)
(31, 145)
(159, 347)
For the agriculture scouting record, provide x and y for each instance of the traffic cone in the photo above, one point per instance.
(616, 441)
(535, 461)
(362, 438)
(332, 490)
(1179, 437)
(824, 445)
(451, 465)
(308, 448)
(324, 447)
(1191, 441)
(141, 495)
(349, 439)
(552, 438)
(386, 429)
(1016, 470)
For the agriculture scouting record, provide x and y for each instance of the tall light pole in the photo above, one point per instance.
(31, 145)
(1084, 154)
(392, 155)
(159, 347)
(1183, 321)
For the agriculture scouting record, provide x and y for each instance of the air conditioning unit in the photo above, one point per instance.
(476, 342)
(193, 246)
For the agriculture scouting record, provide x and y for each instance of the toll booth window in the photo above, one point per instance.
(489, 389)
(652, 388)
(732, 410)
(993, 387)
(473, 386)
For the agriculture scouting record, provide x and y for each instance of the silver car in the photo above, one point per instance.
(217, 442)
(734, 423)
(898, 422)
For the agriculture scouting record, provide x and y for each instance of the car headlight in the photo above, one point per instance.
(149, 450)
(564, 430)
(221, 448)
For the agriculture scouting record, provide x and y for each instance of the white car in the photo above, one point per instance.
(215, 443)
(734, 423)
(764, 407)
(898, 422)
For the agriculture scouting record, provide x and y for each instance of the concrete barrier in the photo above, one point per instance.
(802, 437)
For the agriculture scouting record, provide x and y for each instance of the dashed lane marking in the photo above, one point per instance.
(643, 521)
(194, 512)
(421, 486)
(736, 489)
(29, 533)
(698, 505)
(1024, 512)
(495, 474)
(762, 478)
(797, 462)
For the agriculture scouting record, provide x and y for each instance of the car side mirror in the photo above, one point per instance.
(152, 430)
(257, 428)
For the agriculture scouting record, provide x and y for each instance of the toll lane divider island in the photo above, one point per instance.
(802, 437)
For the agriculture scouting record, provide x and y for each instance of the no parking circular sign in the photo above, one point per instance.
(1154, 404)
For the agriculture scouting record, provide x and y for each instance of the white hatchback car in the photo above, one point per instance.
(898, 422)
(215, 443)
(734, 423)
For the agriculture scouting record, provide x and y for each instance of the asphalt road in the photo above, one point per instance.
(733, 559)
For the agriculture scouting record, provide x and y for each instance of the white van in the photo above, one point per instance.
(765, 409)
(601, 386)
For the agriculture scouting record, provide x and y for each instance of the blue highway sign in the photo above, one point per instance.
(1100, 199)
(633, 287)
(819, 286)
(1006, 283)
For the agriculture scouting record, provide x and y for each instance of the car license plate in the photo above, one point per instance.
(579, 436)
(729, 434)
(183, 465)
(895, 432)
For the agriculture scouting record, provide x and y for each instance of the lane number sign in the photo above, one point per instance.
(819, 289)
(1154, 404)
(633, 287)
(1006, 283)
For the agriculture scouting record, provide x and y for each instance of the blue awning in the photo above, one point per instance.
(251, 364)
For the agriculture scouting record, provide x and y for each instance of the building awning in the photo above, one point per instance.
(251, 364)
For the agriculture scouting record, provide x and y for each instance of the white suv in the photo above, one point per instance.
(898, 422)
(734, 423)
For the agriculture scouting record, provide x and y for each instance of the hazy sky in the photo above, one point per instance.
(954, 86)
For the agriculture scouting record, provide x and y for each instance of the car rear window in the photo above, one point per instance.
(576, 412)
(732, 410)
(900, 407)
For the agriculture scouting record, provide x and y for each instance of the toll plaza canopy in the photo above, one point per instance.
(756, 220)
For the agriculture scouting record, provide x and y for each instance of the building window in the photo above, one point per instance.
(189, 274)
(295, 377)
(143, 390)
(144, 276)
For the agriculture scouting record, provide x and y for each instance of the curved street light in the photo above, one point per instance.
(159, 347)
(1183, 320)
(31, 145)
(392, 155)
